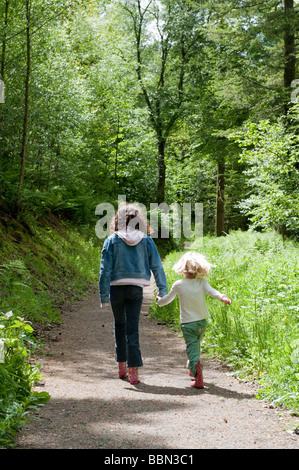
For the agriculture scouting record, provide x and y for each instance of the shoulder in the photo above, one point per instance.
(149, 239)
(111, 236)
(177, 284)
(109, 240)
(206, 284)
(150, 242)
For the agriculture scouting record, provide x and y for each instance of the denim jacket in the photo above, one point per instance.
(120, 260)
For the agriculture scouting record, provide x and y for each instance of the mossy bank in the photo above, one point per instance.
(43, 264)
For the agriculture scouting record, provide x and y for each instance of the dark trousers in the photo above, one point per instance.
(126, 304)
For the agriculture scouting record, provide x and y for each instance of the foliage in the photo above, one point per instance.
(109, 115)
(40, 270)
(271, 152)
(17, 376)
(258, 334)
(21, 292)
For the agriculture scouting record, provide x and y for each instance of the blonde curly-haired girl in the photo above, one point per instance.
(193, 307)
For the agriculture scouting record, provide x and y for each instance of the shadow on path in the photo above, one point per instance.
(209, 389)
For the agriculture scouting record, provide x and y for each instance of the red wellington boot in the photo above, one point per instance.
(122, 370)
(133, 375)
(198, 382)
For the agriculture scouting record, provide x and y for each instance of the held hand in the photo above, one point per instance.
(226, 300)
(105, 305)
(158, 298)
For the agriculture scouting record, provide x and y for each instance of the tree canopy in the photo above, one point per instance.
(162, 101)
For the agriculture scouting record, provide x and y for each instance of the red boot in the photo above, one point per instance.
(198, 382)
(133, 375)
(122, 370)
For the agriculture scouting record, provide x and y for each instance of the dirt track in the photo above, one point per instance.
(91, 408)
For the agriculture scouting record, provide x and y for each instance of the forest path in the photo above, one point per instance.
(91, 408)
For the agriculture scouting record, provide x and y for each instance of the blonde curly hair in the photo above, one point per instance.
(193, 264)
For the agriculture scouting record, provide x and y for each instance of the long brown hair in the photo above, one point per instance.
(127, 214)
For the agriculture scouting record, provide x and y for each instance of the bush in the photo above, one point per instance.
(271, 152)
(17, 375)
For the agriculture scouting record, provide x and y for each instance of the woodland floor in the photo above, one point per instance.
(90, 408)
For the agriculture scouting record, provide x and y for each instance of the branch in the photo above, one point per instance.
(39, 27)
(137, 29)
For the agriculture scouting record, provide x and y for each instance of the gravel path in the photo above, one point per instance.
(91, 408)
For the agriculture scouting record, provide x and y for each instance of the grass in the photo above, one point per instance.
(42, 268)
(258, 335)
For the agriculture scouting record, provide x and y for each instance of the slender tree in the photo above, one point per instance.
(289, 48)
(219, 219)
(176, 37)
(26, 102)
(5, 23)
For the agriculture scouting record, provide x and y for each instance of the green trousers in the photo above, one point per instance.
(193, 333)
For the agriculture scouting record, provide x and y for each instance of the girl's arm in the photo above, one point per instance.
(168, 297)
(156, 267)
(105, 272)
(215, 293)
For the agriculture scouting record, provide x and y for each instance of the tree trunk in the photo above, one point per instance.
(289, 49)
(26, 108)
(116, 143)
(162, 171)
(289, 65)
(4, 40)
(220, 199)
(161, 125)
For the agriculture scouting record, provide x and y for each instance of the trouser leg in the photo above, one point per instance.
(193, 333)
(117, 300)
(126, 302)
(133, 307)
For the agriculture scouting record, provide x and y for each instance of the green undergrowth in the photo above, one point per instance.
(43, 264)
(258, 334)
(18, 376)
